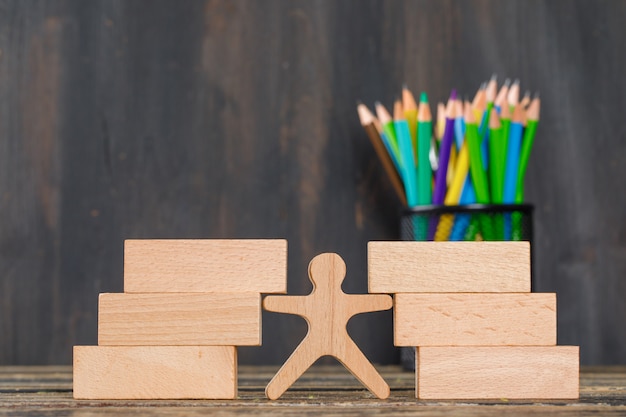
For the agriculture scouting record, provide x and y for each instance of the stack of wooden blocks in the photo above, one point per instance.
(479, 332)
(186, 306)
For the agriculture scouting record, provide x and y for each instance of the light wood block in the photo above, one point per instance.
(180, 319)
(205, 265)
(413, 267)
(155, 372)
(497, 372)
(327, 311)
(461, 319)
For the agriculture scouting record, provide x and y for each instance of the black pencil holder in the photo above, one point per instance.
(474, 222)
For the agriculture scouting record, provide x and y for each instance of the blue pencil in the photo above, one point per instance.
(512, 156)
(512, 166)
(405, 144)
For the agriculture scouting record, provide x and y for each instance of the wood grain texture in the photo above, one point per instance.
(236, 119)
(474, 319)
(327, 311)
(205, 265)
(155, 372)
(427, 267)
(329, 390)
(477, 372)
(179, 319)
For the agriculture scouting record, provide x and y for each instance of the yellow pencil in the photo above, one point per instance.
(410, 114)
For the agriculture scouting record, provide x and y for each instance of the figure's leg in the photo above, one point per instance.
(300, 360)
(362, 369)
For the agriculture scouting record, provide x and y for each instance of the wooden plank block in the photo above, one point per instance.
(155, 372)
(413, 267)
(179, 319)
(461, 319)
(205, 265)
(528, 372)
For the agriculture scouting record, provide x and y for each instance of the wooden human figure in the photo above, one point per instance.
(327, 310)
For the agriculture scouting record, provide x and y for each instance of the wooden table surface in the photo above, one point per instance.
(326, 390)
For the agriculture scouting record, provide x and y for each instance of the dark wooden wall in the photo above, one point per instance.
(236, 119)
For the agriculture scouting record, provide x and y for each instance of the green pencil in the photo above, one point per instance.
(497, 157)
(532, 115)
(424, 135)
(505, 120)
(479, 177)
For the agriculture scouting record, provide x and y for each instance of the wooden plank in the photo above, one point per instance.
(205, 265)
(179, 319)
(328, 388)
(414, 267)
(155, 372)
(457, 319)
(497, 372)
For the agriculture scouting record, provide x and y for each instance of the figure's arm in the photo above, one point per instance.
(364, 303)
(285, 304)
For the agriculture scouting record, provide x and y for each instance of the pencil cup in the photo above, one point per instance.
(474, 222)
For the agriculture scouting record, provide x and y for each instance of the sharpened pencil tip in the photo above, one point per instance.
(423, 97)
(453, 94)
(494, 77)
(507, 82)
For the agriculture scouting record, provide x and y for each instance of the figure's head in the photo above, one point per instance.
(327, 269)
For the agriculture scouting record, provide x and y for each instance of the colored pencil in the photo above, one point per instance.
(444, 151)
(469, 153)
(453, 194)
(389, 131)
(439, 192)
(496, 158)
(525, 101)
(501, 96)
(513, 95)
(513, 156)
(440, 127)
(424, 137)
(527, 144)
(479, 103)
(368, 121)
(479, 175)
(410, 114)
(406, 152)
(491, 90)
(505, 120)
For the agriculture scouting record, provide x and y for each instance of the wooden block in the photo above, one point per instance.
(155, 372)
(205, 265)
(461, 319)
(526, 372)
(180, 319)
(413, 267)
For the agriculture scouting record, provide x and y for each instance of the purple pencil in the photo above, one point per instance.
(444, 152)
